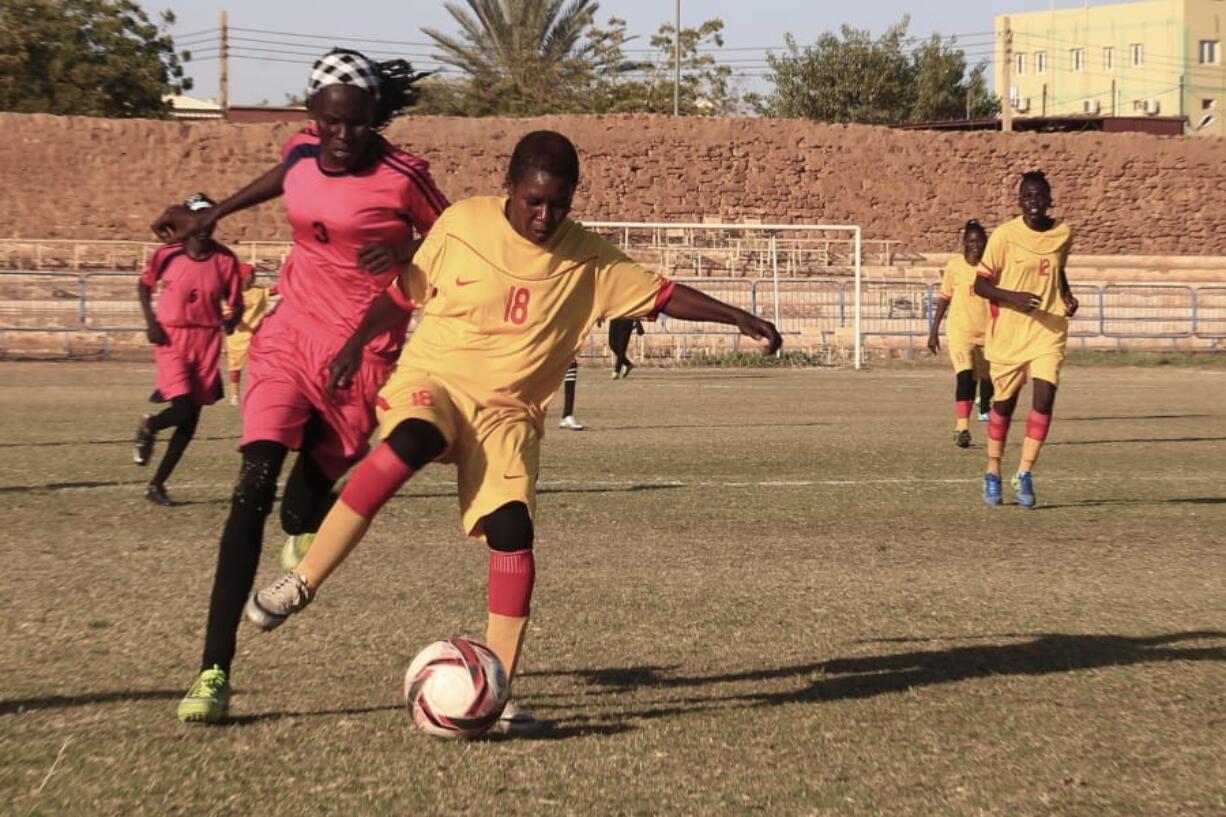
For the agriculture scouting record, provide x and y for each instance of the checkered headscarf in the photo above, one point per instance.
(341, 67)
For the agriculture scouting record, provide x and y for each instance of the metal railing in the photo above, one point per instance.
(105, 303)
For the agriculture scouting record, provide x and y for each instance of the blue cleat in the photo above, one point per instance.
(1023, 486)
(991, 490)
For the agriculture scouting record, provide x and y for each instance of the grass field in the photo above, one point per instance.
(759, 592)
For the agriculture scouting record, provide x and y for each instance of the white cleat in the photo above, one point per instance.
(269, 608)
(571, 423)
(514, 721)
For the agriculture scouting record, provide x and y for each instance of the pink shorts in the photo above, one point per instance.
(287, 371)
(190, 365)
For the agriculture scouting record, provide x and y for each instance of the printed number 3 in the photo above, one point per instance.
(516, 309)
(321, 232)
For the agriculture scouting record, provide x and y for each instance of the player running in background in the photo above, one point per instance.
(256, 303)
(964, 334)
(199, 278)
(619, 342)
(569, 382)
(354, 202)
(1023, 275)
(509, 288)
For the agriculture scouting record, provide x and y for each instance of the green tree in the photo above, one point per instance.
(625, 86)
(521, 56)
(852, 77)
(89, 57)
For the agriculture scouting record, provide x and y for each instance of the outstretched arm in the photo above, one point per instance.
(688, 304)
(177, 223)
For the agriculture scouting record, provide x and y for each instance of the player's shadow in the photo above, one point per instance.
(1135, 417)
(869, 676)
(16, 706)
(1135, 440)
(1098, 503)
(68, 486)
(657, 426)
(124, 441)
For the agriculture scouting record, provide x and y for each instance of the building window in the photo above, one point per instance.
(1210, 53)
(1021, 65)
(1077, 57)
(1138, 55)
(1040, 62)
(1109, 59)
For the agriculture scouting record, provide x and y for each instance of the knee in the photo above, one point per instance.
(965, 384)
(256, 488)
(1005, 407)
(1044, 397)
(509, 528)
(416, 443)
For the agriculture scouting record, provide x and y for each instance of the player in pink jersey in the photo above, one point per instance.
(197, 278)
(358, 207)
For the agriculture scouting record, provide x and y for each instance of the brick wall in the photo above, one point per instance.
(76, 177)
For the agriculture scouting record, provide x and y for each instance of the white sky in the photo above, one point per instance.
(751, 27)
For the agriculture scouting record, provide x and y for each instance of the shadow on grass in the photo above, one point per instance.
(1136, 417)
(68, 486)
(1097, 503)
(17, 706)
(263, 717)
(124, 441)
(873, 675)
(1140, 440)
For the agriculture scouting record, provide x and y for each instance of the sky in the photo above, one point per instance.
(273, 65)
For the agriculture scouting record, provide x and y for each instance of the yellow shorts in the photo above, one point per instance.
(965, 354)
(1008, 378)
(236, 350)
(496, 451)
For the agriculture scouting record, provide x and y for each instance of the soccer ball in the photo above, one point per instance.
(456, 688)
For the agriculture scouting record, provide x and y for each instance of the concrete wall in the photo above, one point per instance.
(75, 177)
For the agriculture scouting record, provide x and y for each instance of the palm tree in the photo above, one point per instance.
(523, 47)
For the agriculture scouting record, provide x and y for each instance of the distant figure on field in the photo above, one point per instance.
(198, 278)
(256, 303)
(619, 341)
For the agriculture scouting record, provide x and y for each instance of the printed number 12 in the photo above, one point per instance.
(516, 308)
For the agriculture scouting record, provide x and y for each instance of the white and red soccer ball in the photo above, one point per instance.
(456, 688)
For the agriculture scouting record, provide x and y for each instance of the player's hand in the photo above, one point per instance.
(379, 258)
(758, 329)
(934, 344)
(1026, 301)
(1071, 304)
(156, 334)
(344, 366)
(177, 223)
(230, 324)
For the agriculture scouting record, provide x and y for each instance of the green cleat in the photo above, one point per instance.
(295, 549)
(208, 701)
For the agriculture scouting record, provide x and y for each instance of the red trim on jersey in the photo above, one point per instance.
(666, 291)
(945, 298)
(397, 294)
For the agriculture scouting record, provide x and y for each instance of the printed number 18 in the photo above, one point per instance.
(516, 308)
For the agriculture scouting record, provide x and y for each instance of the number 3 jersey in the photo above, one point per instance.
(1020, 259)
(502, 317)
(324, 291)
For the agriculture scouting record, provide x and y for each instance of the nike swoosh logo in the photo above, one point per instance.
(460, 282)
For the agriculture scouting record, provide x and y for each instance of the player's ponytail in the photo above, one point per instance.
(398, 89)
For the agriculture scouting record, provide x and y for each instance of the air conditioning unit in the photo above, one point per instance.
(1091, 106)
(1021, 104)
(1152, 107)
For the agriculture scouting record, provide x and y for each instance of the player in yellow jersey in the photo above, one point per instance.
(509, 288)
(968, 323)
(255, 307)
(1023, 276)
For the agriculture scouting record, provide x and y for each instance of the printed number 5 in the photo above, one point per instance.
(516, 309)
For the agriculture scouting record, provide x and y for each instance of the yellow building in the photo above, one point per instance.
(1155, 58)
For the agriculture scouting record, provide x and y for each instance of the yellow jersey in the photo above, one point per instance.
(502, 318)
(1020, 259)
(966, 318)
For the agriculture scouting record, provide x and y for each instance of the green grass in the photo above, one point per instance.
(759, 592)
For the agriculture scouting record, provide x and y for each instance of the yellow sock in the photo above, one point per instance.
(996, 450)
(505, 636)
(340, 533)
(1030, 454)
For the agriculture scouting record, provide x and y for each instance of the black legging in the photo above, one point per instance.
(183, 415)
(619, 340)
(308, 496)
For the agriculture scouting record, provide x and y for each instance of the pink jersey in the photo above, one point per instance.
(323, 289)
(192, 292)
